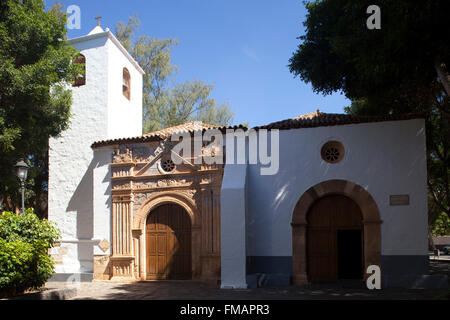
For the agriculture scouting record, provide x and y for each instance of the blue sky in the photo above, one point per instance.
(242, 47)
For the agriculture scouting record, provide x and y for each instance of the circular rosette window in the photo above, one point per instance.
(166, 165)
(332, 151)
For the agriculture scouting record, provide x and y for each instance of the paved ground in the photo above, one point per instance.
(190, 290)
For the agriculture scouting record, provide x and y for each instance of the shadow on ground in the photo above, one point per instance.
(192, 290)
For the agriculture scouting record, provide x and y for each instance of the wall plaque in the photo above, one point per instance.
(399, 199)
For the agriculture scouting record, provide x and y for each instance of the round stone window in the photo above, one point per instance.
(167, 165)
(332, 151)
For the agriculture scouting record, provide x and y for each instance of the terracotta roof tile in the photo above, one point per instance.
(309, 120)
(185, 127)
(322, 119)
(164, 133)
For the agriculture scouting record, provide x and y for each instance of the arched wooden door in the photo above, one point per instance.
(168, 243)
(334, 239)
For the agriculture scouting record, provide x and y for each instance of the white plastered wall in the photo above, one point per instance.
(385, 158)
(232, 221)
(70, 161)
(124, 116)
(102, 198)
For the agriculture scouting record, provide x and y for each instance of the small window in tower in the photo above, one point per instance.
(81, 79)
(126, 88)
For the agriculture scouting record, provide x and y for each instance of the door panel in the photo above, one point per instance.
(326, 218)
(168, 243)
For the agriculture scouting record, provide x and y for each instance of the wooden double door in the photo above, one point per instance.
(168, 243)
(334, 239)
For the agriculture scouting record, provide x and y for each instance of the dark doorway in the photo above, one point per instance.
(349, 245)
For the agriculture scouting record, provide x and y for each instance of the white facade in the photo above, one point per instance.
(99, 111)
(233, 253)
(385, 158)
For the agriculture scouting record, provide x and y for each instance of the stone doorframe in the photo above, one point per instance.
(139, 223)
(371, 224)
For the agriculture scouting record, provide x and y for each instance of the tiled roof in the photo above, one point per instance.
(165, 133)
(309, 120)
(321, 119)
(185, 127)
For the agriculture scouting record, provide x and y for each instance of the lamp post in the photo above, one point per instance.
(21, 171)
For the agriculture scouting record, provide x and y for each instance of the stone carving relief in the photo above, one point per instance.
(121, 186)
(161, 183)
(121, 172)
(165, 147)
(122, 157)
(206, 179)
(104, 245)
(141, 197)
(126, 154)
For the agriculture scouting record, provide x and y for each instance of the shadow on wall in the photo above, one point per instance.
(82, 203)
(108, 203)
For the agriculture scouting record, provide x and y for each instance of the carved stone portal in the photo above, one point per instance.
(137, 188)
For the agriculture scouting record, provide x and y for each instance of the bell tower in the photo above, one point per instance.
(107, 104)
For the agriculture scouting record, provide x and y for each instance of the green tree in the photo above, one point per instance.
(441, 225)
(35, 68)
(165, 102)
(400, 68)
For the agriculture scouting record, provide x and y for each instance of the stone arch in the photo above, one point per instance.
(371, 223)
(159, 198)
(140, 218)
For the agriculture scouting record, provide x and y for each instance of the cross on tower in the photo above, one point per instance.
(98, 20)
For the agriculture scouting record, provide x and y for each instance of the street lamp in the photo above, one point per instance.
(21, 171)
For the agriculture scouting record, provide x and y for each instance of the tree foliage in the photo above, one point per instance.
(35, 68)
(400, 68)
(165, 102)
(440, 225)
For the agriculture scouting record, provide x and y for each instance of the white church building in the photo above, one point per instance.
(349, 192)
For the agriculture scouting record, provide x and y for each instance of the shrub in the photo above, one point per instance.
(24, 243)
(27, 227)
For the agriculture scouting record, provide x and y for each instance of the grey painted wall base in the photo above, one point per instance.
(404, 265)
(437, 281)
(72, 277)
(266, 271)
(259, 280)
(397, 271)
(410, 272)
(268, 264)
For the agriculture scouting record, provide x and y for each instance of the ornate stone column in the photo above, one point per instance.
(138, 272)
(122, 258)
